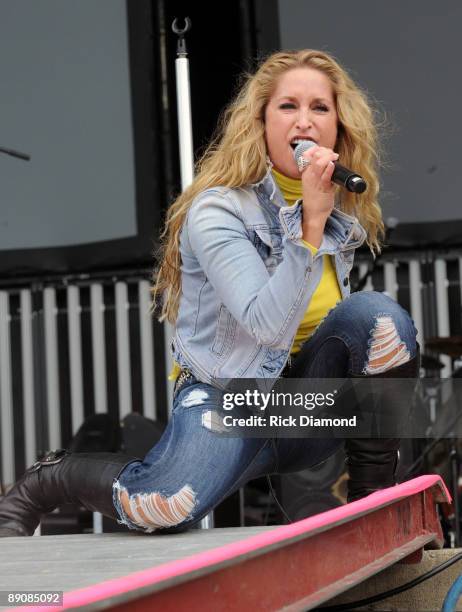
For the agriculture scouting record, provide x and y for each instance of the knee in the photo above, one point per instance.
(387, 349)
(391, 335)
(153, 511)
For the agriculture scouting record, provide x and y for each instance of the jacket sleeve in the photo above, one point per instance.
(264, 305)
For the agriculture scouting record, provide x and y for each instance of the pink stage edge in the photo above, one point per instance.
(217, 556)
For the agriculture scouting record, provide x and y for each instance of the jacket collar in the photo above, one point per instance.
(267, 185)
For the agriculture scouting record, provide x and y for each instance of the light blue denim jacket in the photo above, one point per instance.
(247, 280)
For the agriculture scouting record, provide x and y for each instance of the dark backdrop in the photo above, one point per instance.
(221, 44)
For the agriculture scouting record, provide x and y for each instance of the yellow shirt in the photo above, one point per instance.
(327, 293)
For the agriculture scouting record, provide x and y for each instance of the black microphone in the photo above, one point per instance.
(14, 153)
(342, 176)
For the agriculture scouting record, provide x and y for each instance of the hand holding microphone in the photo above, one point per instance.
(318, 191)
(341, 176)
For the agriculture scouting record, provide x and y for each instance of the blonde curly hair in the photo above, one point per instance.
(236, 156)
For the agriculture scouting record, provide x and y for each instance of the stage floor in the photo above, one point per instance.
(68, 562)
(303, 564)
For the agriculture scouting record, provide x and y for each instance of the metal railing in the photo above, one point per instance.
(70, 347)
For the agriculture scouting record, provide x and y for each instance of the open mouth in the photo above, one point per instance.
(297, 141)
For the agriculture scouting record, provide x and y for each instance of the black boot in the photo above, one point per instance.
(61, 477)
(373, 462)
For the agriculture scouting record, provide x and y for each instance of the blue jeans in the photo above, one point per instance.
(192, 469)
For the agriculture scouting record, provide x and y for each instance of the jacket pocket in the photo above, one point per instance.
(226, 327)
(272, 363)
(269, 247)
(262, 241)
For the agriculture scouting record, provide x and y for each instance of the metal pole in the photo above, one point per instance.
(185, 141)
(183, 96)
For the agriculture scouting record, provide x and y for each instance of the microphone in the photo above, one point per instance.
(342, 176)
(14, 153)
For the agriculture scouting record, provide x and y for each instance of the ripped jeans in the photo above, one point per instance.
(192, 469)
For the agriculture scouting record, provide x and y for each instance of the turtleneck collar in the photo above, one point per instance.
(291, 189)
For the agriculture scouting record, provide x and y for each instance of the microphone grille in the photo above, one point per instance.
(302, 147)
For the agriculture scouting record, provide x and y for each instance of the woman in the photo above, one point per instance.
(254, 275)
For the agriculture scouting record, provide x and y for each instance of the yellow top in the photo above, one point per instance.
(327, 293)
(175, 371)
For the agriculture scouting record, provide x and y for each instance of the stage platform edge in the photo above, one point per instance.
(291, 567)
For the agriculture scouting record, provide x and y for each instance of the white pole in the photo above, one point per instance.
(415, 286)
(442, 309)
(183, 97)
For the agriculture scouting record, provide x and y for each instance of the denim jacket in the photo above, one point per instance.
(247, 279)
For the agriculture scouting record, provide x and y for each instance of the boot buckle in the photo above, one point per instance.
(51, 458)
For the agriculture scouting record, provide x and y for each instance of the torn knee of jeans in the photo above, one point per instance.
(155, 511)
(194, 398)
(386, 349)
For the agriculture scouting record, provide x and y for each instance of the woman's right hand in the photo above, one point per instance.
(318, 192)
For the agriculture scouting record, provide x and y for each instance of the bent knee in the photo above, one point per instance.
(156, 511)
(387, 350)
